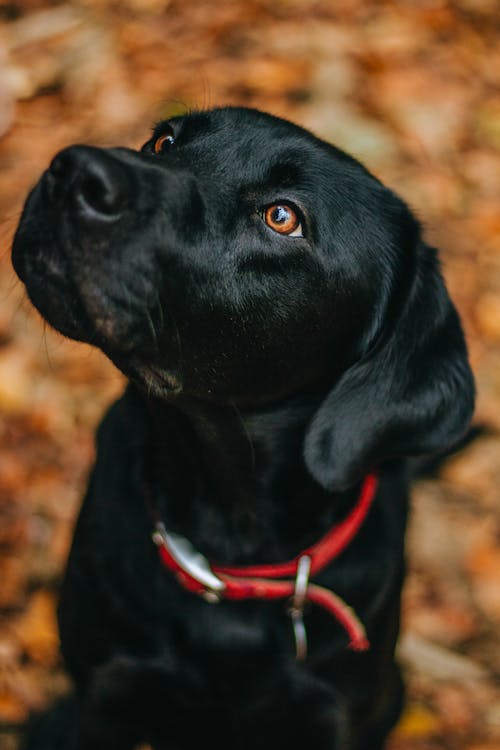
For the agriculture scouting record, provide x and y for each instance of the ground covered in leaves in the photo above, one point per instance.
(412, 89)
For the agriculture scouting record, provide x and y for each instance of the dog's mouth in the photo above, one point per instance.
(157, 381)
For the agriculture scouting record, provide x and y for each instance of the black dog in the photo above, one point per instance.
(288, 340)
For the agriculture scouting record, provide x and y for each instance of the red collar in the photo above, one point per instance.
(216, 582)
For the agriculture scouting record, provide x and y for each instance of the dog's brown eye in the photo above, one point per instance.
(163, 141)
(283, 219)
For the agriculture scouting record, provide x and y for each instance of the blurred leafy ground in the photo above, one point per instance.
(412, 88)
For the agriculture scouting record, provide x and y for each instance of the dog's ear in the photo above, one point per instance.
(412, 393)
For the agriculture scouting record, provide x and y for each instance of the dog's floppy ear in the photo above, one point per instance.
(412, 393)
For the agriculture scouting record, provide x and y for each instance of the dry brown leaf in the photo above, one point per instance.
(483, 562)
(12, 708)
(36, 629)
(444, 623)
(477, 470)
(14, 577)
(487, 315)
(417, 721)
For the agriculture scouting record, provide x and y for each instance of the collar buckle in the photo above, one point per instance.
(190, 561)
(296, 610)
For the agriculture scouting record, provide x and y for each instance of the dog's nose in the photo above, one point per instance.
(93, 179)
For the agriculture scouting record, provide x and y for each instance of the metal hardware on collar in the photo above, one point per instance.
(189, 559)
(299, 633)
(212, 597)
(301, 582)
(159, 534)
(296, 611)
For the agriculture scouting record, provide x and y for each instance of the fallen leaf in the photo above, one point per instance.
(36, 629)
(12, 708)
(417, 721)
(487, 314)
(438, 662)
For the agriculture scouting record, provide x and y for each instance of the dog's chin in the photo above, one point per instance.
(62, 315)
(122, 351)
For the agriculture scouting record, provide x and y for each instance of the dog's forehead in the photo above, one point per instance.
(246, 139)
(240, 124)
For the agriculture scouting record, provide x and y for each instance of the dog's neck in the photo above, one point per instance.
(244, 473)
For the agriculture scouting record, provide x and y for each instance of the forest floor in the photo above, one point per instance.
(412, 89)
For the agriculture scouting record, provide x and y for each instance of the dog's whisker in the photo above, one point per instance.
(159, 309)
(246, 433)
(13, 285)
(146, 313)
(151, 326)
(22, 303)
(177, 338)
(7, 228)
(48, 355)
(126, 296)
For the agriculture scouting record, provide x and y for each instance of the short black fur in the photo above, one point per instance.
(268, 374)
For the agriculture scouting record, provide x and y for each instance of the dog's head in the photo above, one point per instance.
(238, 258)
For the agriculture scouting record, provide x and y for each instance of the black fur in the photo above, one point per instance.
(269, 373)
